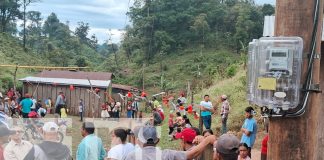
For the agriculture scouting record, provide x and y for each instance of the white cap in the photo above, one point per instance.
(223, 96)
(50, 127)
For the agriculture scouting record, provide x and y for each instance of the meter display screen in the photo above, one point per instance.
(279, 54)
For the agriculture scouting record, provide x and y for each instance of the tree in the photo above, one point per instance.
(34, 29)
(9, 12)
(25, 3)
(81, 62)
(268, 10)
(93, 41)
(51, 25)
(82, 31)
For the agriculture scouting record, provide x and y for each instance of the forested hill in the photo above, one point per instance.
(168, 43)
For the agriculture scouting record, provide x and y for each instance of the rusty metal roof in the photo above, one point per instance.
(76, 75)
(122, 87)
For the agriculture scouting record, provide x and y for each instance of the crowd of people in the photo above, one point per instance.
(144, 139)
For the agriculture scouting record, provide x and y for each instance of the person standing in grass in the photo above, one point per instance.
(206, 109)
(224, 113)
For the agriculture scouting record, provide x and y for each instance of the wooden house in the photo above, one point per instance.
(75, 86)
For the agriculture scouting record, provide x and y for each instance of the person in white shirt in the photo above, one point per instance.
(120, 148)
(17, 148)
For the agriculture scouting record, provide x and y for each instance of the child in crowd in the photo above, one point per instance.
(41, 111)
(178, 135)
(81, 108)
(63, 112)
(244, 152)
(179, 120)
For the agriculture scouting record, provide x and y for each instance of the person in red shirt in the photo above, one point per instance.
(11, 93)
(161, 114)
(264, 147)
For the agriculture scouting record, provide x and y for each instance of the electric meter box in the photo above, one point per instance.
(274, 72)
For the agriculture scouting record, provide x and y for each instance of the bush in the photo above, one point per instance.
(231, 71)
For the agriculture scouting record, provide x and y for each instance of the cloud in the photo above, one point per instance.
(101, 15)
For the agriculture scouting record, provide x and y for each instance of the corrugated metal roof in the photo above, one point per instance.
(75, 75)
(269, 25)
(65, 81)
(123, 87)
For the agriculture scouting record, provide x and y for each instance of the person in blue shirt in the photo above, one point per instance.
(206, 108)
(249, 128)
(26, 105)
(91, 146)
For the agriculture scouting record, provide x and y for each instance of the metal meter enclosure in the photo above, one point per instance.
(274, 72)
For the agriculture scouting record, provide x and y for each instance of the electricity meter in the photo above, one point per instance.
(274, 72)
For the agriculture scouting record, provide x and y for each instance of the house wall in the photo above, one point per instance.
(44, 91)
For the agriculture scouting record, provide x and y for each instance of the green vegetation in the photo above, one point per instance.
(169, 44)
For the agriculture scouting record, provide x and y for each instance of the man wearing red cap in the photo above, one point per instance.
(187, 136)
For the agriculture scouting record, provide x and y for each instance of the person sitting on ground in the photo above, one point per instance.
(50, 148)
(187, 123)
(207, 132)
(17, 148)
(120, 147)
(178, 135)
(157, 120)
(179, 120)
(41, 111)
(244, 151)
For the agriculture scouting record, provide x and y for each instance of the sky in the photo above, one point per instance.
(106, 18)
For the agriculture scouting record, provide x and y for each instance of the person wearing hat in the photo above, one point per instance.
(26, 105)
(187, 137)
(17, 148)
(50, 148)
(249, 128)
(91, 146)
(226, 147)
(224, 112)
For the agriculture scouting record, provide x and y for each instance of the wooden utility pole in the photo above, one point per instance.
(301, 137)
